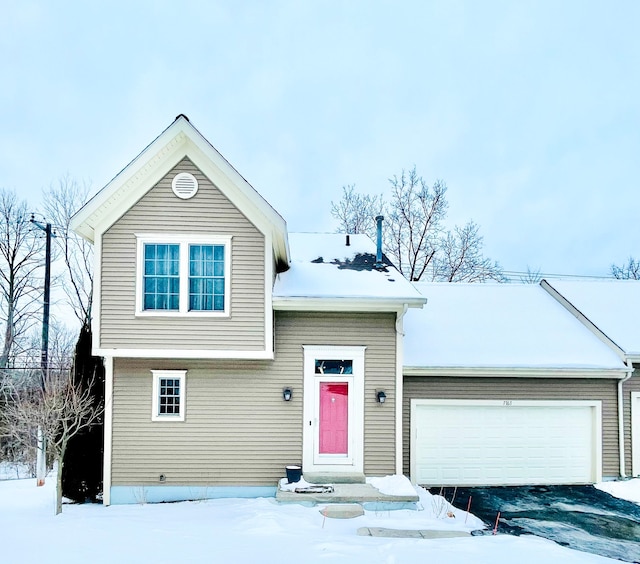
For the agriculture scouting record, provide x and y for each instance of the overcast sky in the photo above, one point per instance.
(528, 110)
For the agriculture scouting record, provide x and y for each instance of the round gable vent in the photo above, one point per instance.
(184, 185)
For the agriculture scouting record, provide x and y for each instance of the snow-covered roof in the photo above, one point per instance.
(500, 326)
(613, 306)
(324, 266)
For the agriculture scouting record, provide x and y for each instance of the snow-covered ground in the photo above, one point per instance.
(250, 530)
(625, 489)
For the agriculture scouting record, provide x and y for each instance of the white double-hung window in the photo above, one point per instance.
(183, 275)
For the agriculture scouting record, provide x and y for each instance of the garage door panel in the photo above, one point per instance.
(489, 443)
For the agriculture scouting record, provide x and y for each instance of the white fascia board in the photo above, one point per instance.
(516, 372)
(634, 358)
(344, 304)
(96, 296)
(269, 275)
(199, 354)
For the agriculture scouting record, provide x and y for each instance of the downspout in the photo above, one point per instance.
(399, 387)
(621, 449)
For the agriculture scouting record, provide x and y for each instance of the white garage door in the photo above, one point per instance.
(485, 443)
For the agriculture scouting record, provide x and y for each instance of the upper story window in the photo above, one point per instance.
(161, 276)
(183, 276)
(206, 278)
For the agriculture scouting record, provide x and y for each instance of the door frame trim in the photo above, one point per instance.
(355, 458)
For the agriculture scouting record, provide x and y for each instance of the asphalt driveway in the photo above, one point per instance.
(580, 517)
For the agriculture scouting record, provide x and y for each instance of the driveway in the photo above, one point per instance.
(580, 517)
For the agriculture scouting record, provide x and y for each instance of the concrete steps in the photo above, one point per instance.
(364, 494)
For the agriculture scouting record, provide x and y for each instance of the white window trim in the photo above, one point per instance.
(184, 241)
(176, 375)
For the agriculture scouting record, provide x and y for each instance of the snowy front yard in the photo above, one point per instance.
(247, 530)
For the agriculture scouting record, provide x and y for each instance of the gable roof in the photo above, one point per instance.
(181, 139)
(327, 273)
(611, 307)
(500, 327)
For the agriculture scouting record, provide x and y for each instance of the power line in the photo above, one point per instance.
(537, 274)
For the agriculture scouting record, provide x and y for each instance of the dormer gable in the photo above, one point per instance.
(186, 252)
(178, 141)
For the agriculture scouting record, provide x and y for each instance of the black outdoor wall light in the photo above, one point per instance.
(381, 396)
(286, 394)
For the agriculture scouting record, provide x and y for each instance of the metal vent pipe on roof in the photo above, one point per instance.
(379, 220)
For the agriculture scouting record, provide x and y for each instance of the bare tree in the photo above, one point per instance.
(460, 258)
(61, 201)
(628, 271)
(59, 412)
(415, 238)
(414, 223)
(20, 257)
(531, 276)
(356, 212)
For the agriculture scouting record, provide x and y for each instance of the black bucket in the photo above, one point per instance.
(294, 473)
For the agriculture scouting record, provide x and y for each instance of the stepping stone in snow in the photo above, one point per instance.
(409, 533)
(342, 510)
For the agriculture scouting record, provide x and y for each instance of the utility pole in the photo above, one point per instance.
(41, 458)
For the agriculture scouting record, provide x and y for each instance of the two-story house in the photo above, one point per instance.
(233, 348)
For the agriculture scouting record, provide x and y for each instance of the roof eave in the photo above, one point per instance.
(335, 303)
(518, 371)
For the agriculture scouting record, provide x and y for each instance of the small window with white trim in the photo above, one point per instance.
(169, 394)
(183, 275)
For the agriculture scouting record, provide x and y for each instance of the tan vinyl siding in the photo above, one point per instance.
(520, 389)
(237, 429)
(631, 385)
(208, 213)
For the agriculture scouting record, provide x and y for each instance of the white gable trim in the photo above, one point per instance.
(178, 141)
(584, 320)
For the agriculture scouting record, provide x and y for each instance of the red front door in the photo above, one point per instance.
(334, 417)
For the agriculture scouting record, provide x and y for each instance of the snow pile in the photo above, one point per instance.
(624, 489)
(393, 485)
(285, 486)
